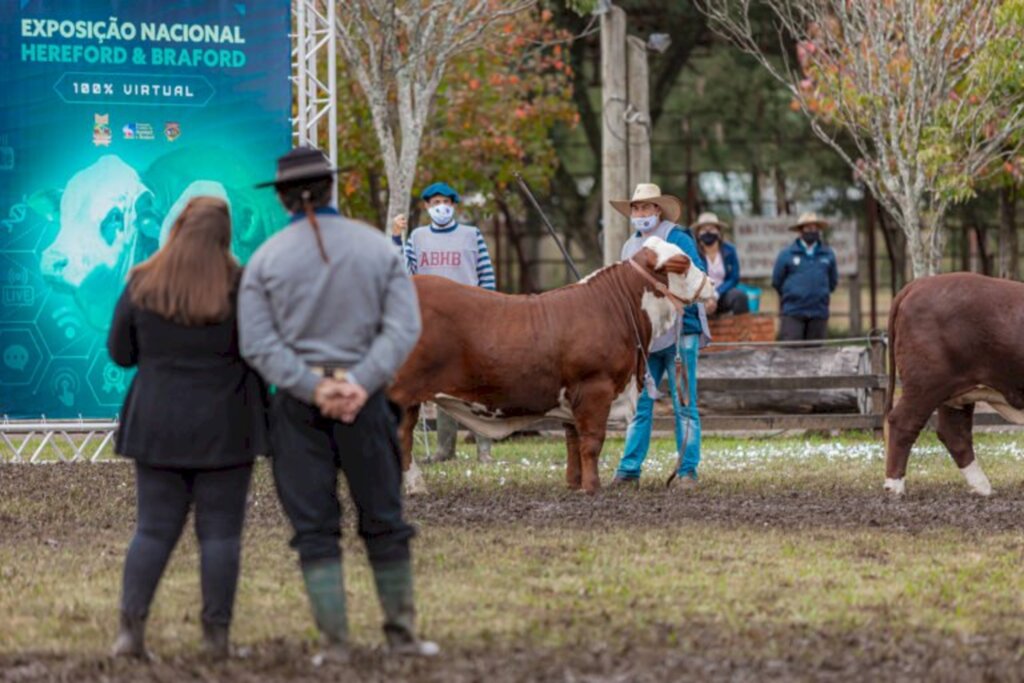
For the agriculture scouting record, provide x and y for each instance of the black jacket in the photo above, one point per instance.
(194, 402)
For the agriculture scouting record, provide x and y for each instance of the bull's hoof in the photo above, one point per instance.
(895, 487)
(976, 479)
(414, 482)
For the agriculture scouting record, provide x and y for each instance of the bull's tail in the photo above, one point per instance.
(891, 392)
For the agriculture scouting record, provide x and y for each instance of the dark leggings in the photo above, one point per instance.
(164, 498)
(734, 301)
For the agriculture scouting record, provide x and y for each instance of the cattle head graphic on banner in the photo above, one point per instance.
(106, 132)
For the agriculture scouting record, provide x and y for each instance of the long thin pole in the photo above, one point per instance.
(533, 200)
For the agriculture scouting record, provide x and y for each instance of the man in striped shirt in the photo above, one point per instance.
(455, 251)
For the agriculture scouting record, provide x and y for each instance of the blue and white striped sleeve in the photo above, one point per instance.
(411, 263)
(484, 267)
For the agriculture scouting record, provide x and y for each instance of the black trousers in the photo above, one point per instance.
(734, 301)
(164, 498)
(308, 451)
(793, 328)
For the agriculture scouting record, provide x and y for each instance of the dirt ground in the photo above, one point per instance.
(57, 510)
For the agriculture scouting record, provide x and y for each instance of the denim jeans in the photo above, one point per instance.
(687, 419)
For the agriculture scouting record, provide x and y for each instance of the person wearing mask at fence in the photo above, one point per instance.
(653, 214)
(455, 251)
(723, 264)
(805, 275)
(327, 314)
(193, 419)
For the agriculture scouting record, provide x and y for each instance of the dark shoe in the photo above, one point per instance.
(326, 589)
(394, 589)
(131, 638)
(334, 653)
(625, 483)
(216, 646)
(439, 456)
(685, 482)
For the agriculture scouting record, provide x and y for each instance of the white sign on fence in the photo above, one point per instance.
(759, 241)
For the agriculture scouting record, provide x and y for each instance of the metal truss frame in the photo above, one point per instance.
(315, 76)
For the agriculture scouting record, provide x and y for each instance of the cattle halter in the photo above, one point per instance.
(679, 302)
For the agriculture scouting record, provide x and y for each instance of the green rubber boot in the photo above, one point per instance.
(394, 589)
(325, 585)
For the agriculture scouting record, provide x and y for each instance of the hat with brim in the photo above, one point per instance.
(300, 164)
(671, 207)
(809, 218)
(708, 218)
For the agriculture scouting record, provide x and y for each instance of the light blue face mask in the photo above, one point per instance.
(441, 214)
(645, 224)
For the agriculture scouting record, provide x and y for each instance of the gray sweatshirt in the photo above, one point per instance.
(358, 312)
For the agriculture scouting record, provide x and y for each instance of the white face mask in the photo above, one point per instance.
(645, 224)
(441, 214)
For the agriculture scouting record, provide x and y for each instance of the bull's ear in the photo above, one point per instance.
(647, 258)
(678, 264)
(46, 203)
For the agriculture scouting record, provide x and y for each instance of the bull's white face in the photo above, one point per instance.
(99, 213)
(692, 285)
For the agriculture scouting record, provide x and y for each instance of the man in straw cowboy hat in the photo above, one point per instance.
(805, 276)
(723, 263)
(327, 314)
(653, 214)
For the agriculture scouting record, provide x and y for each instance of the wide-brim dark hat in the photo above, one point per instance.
(301, 163)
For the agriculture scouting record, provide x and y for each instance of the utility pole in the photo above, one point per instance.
(638, 114)
(614, 136)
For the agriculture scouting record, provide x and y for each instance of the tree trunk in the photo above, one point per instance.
(924, 242)
(755, 191)
(781, 201)
(1008, 244)
(516, 238)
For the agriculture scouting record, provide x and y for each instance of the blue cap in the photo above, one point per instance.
(443, 189)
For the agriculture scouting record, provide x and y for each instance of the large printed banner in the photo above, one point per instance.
(113, 115)
(759, 241)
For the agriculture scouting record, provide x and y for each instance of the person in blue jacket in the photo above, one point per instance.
(653, 214)
(805, 276)
(723, 264)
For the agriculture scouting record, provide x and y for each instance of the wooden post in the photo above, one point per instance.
(639, 118)
(871, 211)
(856, 324)
(878, 368)
(614, 137)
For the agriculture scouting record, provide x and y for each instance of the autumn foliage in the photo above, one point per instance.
(493, 115)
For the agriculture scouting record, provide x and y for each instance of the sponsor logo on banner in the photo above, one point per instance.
(172, 131)
(101, 136)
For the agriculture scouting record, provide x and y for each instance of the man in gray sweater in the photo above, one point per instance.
(327, 313)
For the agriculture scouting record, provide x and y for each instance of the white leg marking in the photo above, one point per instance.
(976, 479)
(415, 484)
(896, 486)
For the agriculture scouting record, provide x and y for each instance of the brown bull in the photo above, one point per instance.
(567, 353)
(955, 340)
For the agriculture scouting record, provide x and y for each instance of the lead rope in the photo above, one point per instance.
(683, 383)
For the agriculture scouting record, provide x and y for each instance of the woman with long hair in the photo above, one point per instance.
(193, 419)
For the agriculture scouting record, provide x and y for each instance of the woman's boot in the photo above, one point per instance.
(131, 638)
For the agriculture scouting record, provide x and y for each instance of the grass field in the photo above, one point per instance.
(787, 564)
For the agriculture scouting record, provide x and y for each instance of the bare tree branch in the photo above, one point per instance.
(888, 75)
